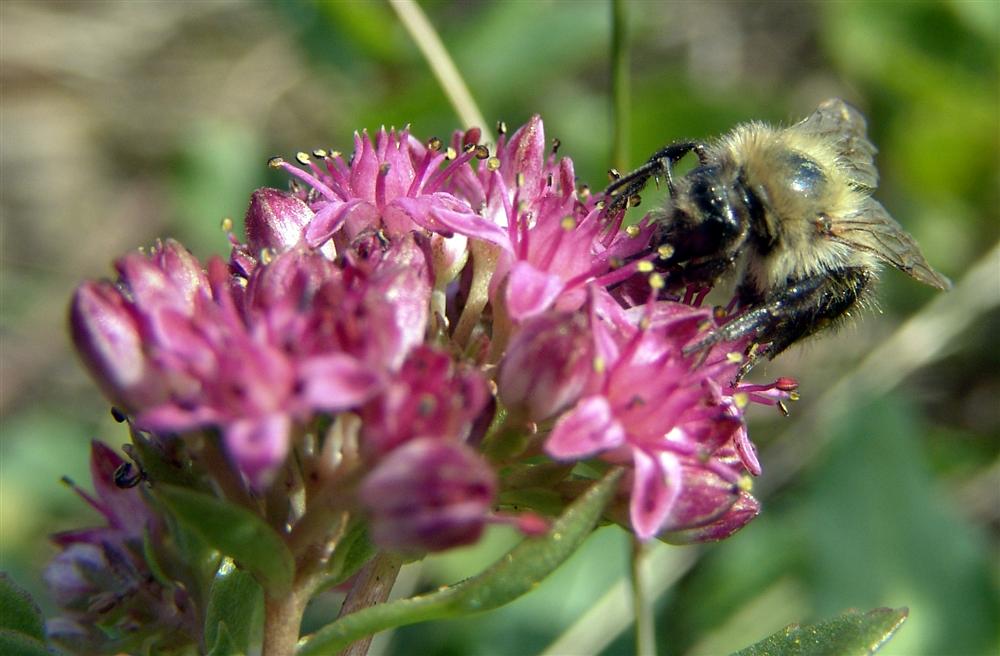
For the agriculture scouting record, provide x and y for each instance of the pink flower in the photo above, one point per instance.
(676, 419)
(100, 578)
(255, 356)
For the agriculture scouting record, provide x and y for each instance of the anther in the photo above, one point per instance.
(614, 174)
(226, 225)
(786, 384)
(501, 127)
(275, 162)
(665, 251)
(320, 153)
(632, 231)
(741, 399)
(734, 357)
(493, 164)
(633, 201)
(482, 152)
(450, 153)
(656, 281)
(567, 223)
(469, 147)
(302, 157)
(783, 408)
(434, 143)
(555, 145)
(645, 266)
(599, 365)
(118, 415)
(266, 255)
(519, 179)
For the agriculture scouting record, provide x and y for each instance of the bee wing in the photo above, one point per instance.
(845, 127)
(873, 230)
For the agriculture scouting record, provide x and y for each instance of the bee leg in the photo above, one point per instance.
(660, 163)
(792, 313)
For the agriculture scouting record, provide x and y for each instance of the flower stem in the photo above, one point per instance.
(645, 634)
(620, 87)
(424, 35)
(372, 586)
(282, 620)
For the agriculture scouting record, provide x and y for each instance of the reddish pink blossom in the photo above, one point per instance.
(676, 419)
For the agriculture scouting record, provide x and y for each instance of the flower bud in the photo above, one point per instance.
(275, 220)
(107, 338)
(429, 495)
(547, 365)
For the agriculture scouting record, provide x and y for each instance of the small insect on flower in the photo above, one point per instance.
(790, 212)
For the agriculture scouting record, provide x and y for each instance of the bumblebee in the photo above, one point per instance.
(790, 212)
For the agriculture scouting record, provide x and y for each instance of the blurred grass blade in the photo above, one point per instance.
(850, 634)
(514, 575)
(444, 69)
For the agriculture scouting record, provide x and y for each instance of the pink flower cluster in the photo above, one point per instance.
(406, 294)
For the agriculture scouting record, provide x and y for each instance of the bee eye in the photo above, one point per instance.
(805, 175)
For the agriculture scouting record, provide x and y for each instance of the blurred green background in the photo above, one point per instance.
(124, 121)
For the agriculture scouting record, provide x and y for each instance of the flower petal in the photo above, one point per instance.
(589, 428)
(530, 291)
(655, 490)
(336, 381)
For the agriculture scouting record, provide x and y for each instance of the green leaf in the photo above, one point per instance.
(223, 643)
(236, 532)
(235, 608)
(847, 634)
(352, 552)
(18, 611)
(15, 643)
(512, 576)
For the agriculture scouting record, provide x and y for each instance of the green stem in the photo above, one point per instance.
(620, 87)
(425, 36)
(645, 634)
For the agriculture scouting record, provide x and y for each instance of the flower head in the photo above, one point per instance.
(101, 580)
(676, 419)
